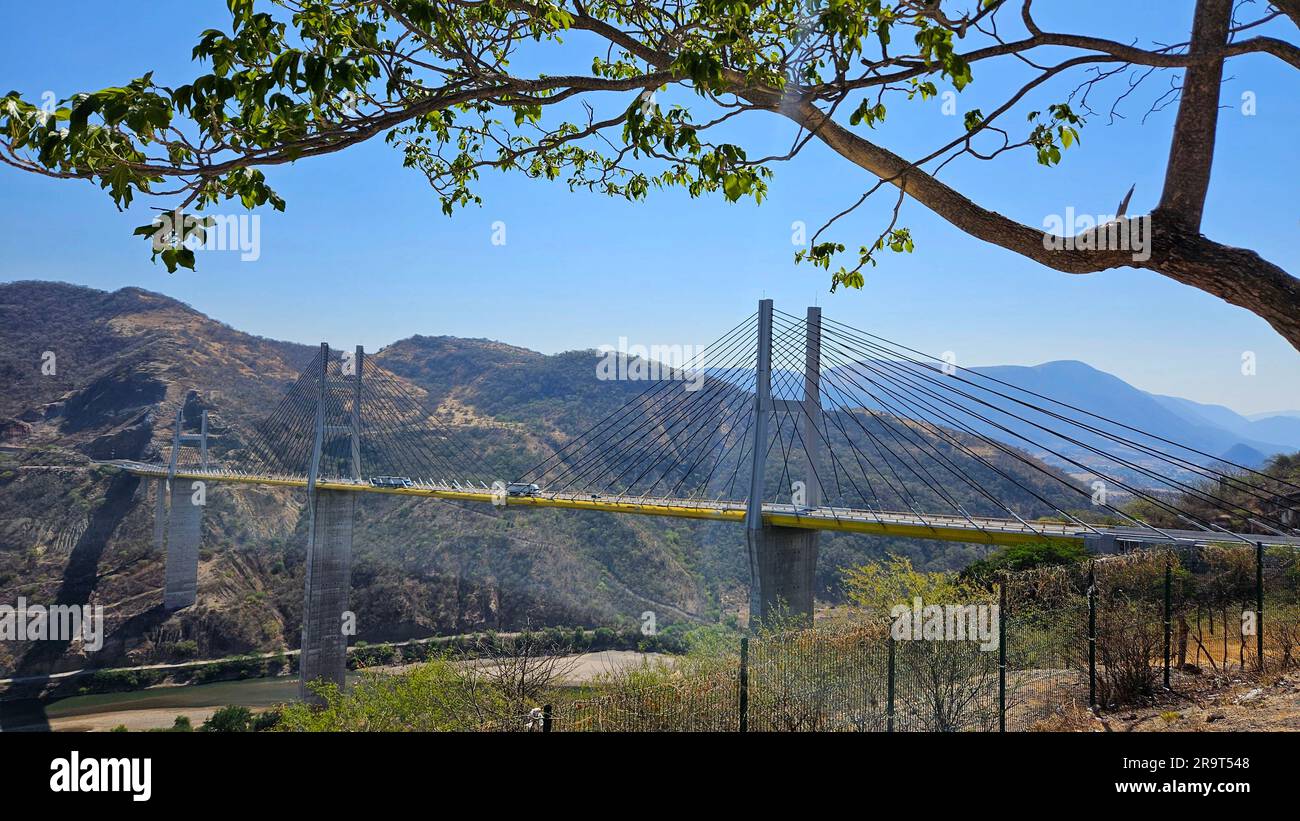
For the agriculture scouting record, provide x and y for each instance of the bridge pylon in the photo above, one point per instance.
(783, 560)
(329, 540)
(184, 519)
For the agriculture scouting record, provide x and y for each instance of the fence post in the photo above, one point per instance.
(744, 684)
(1259, 605)
(1092, 635)
(1002, 655)
(546, 718)
(889, 708)
(1169, 623)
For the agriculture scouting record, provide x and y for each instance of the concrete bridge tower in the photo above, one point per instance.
(184, 520)
(329, 543)
(783, 560)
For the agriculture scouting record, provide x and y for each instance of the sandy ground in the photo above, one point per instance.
(133, 719)
(590, 665)
(583, 668)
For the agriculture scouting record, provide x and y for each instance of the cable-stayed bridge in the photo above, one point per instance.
(789, 425)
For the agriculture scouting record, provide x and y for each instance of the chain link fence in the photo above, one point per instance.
(1102, 633)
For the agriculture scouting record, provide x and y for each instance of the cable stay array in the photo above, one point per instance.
(893, 435)
(362, 423)
(855, 430)
(682, 437)
(1111, 468)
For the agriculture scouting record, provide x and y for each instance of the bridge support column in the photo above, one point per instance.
(185, 525)
(329, 578)
(329, 550)
(185, 520)
(783, 560)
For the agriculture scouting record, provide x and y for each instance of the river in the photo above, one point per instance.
(154, 707)
(159, 706)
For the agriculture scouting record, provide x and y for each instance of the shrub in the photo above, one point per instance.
(1129, 635)
(266, 720)
(430, 697)
(232, 719)
(1024, 557)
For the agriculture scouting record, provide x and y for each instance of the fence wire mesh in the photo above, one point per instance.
(1107, 632)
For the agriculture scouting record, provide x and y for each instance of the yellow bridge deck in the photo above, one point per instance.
(977, 530)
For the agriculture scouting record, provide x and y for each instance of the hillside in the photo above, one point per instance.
(127, 361)
(1269, 495)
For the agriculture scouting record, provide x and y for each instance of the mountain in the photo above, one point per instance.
(1289, 414)
(1214, 430)
(1243, 455)
(124, 363)
(1035, 408)
(1276, 432)
(91, 374)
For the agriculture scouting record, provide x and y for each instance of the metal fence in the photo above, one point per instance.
(1121, 628)
(1103, 633)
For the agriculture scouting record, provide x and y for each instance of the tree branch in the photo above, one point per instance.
(1236, 275)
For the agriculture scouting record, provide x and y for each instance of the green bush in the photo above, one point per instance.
(1024, 557)
(430, 697)
(266, 720)
(232, 719)
(180, 725)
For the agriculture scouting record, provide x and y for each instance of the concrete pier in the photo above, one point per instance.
(160, 515)
(185, 524)
(184, 519)
(785, 565)
(329, 577)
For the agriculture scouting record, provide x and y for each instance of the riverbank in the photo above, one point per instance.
(157, 707)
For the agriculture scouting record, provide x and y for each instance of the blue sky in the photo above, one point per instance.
(364, 255)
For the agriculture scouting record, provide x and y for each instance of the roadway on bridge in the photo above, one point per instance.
(975, 529)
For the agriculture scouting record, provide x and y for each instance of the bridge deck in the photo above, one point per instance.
(976, 529)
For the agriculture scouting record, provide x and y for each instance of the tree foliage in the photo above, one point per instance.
(441, 81)
(1024, 557)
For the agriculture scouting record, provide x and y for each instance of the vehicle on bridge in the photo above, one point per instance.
(522, 489)
(391, 481)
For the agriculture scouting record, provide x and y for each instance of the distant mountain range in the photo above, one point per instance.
(1034, 408)
(1290, 414)
(1213, 429)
